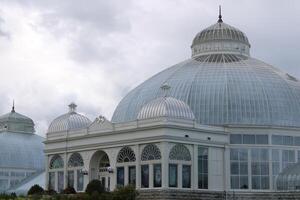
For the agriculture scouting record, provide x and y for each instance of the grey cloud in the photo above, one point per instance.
(3, 33)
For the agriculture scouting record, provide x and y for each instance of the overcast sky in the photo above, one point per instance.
(53, 52)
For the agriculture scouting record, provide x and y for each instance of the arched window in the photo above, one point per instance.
(180, 152)
(126, 154)
(151, 152)
(56, 162)
(75, 160)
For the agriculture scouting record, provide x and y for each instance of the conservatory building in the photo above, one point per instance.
(219, 121)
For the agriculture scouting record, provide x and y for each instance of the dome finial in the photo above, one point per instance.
(72, 107)
(220, 15)
(165, 88)
(13, 107)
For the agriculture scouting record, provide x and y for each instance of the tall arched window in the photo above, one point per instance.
(125, 159)
(151, 152)
(75, 171)
(56, 166)
(151, 159)
(126, 154)
(75, 160)
(180, 156)
(56, 162)
(180, 152)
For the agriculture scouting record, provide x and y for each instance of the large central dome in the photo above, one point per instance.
(222, 84)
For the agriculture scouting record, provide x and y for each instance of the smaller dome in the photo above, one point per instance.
(220, 38)
(166, 107)
(69, 121)
(16, 122)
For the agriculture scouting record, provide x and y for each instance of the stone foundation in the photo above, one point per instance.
(168, 194)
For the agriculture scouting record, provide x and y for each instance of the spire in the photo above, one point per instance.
(220, 15)
(72, 107)
(13, 107)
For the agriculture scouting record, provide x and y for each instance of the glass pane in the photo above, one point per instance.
(52, 180)
(234, 154)
(264, 182)
(186, 176)
(120, 176)
(60, 183)
(243, 168)
(234, 167)
(145, 176)
(172, 175)
(203, 167)
(71, 179)
(256, 182)
(288, 140)
(235, 183)
(132, 175)
(235, 139)
(249, 139)
(261, 139)
(79, 180)
(297, 141)
(275, 155)
(277, 139)
(157, 175)
(244, 182)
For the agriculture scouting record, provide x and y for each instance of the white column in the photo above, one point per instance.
(150, 175)
(165, 164)
(65, 170)
(138, 167)
(126, 175)
(179, 175)
(195, 168)
(47, 173)
(56, 181)
(226, 168)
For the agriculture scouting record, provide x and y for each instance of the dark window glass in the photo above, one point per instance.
(71, 178)
(79, 180)
(277, 139)
(297, 141)
(145, 176)
(262, 139)
(131, 175)
(186, 176)
(157, 175)
(60, 183)
(120, 176)
(172, 175)
(288, 140)
(202, 167)
(52, 180)
(235, 139)
(248, 139)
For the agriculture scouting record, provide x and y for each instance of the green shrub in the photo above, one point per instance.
(125, 193)
(50, 192)
(95, 186)
(69, 190)
(36, 189)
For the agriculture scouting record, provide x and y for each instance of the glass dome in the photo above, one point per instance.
(69, 121)
(222, 88)
(166, 107)
(21, 151)
(19, 146)
(16, 122)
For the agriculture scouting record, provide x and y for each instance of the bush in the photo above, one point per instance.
(36, 189)
(50, 192)
(69, 190)
(95, 186)
(125, 193)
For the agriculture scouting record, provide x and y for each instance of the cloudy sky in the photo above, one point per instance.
(53, 52)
